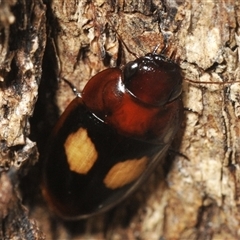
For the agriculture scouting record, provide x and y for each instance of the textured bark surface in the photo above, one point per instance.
(193, 198)
(22, 43)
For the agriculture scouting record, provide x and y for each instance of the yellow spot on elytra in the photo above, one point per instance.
(80, 151)
(125, 172)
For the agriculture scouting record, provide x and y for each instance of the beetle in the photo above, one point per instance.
(112, 136)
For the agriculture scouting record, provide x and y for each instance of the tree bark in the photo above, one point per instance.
(195, 194)
(22, 43)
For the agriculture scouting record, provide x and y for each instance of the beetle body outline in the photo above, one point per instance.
(123, 127)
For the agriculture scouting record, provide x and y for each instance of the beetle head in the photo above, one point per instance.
(153, 79)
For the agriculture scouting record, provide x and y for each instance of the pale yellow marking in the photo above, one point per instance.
(80, 151)
(125, 172)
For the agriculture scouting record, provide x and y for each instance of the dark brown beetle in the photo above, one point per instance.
(110, 139)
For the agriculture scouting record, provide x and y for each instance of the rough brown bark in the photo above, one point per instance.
(194, 198)
(22, 42)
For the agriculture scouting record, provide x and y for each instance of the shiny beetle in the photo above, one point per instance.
(110, 139)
